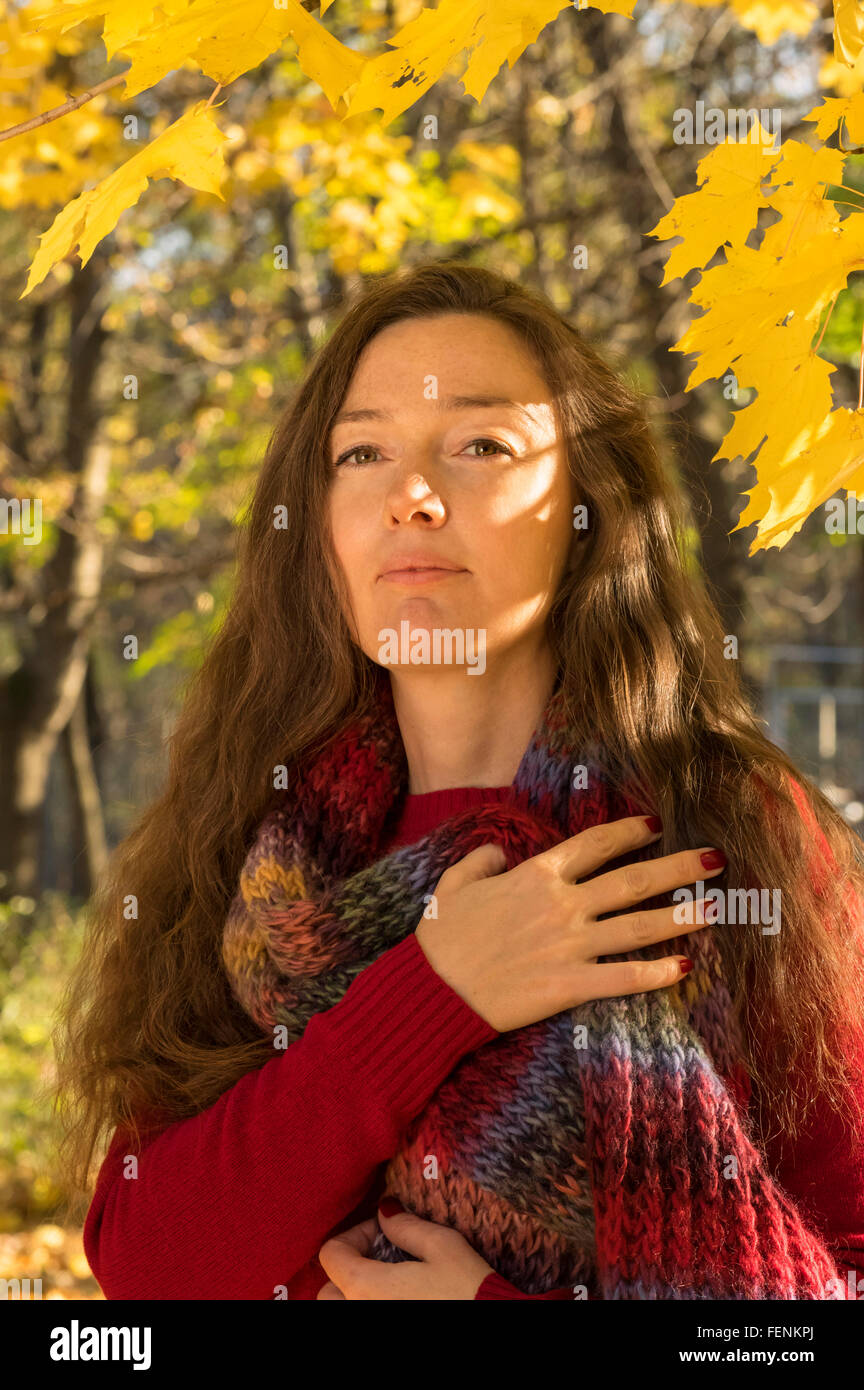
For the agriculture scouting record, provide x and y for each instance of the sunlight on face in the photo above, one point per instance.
(420, 476)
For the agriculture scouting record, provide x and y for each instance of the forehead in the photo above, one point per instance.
(463, 360)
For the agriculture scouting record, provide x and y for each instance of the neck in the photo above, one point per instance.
(466, 731)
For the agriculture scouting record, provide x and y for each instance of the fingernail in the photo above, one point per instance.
(653, 823)
(686, 966)
(713, 859)
(390, 1206)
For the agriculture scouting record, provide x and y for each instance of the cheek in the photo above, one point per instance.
(345, 532)
(352, 533)
(342, 558)
(527, 532)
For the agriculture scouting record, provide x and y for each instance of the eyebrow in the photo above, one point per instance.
(446, 403)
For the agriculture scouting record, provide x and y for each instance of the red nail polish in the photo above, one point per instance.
(713, 859)
(653, 823)
(686, 966)
(390, 1206)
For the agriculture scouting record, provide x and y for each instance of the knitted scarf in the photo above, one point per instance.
(599, 1148)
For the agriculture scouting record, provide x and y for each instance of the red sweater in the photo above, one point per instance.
(236, 1202)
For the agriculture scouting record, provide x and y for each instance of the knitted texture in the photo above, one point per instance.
(600, 1148)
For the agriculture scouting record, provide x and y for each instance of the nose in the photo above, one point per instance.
(413, 497)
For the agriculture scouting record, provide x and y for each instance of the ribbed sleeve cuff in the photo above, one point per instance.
(495, 1286)
(402, 1028)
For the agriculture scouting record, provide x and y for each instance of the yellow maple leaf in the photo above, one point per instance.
(224, 38)
(754, 292)
(492, 31)
(124, 20)
(739, 310)
(784, 496)
(794, 398)
(725, 207)
(802, 175)
(762, 310)
(806, 282)
(833, 110)
(848, 30)
(189, 150)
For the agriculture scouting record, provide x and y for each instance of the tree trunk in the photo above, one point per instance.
(641, 186)
(90, 851)
(41, 694)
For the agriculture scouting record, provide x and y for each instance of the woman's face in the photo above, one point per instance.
(449, 453)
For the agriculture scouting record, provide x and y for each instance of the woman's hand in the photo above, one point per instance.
(449, 1268)
(522, 945)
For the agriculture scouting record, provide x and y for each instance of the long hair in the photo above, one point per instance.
(148, 1025)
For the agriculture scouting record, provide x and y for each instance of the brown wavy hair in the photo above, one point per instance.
(149, 1032)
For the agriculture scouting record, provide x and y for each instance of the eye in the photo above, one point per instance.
(497, 447)
(358, 449)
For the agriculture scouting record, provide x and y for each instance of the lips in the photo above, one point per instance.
(412, 564)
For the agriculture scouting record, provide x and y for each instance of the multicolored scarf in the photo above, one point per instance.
(600, 1148)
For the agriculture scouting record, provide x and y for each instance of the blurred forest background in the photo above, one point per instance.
(137, 395)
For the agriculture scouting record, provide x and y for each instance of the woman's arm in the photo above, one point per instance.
(232, 1202)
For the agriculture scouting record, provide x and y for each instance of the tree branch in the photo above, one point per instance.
(74, 102)
(71, 105)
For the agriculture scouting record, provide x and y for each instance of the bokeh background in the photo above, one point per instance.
(137, 395)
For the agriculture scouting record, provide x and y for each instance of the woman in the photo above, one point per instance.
(361, 938)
